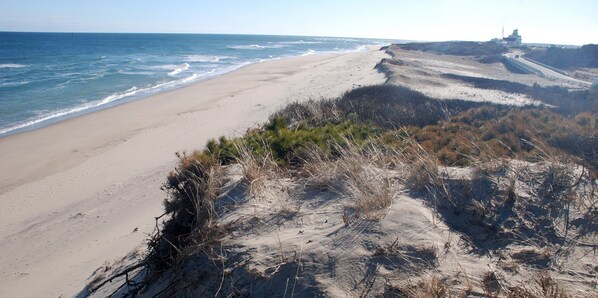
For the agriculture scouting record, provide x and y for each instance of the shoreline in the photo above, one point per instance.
(85, 190)
(48, 120)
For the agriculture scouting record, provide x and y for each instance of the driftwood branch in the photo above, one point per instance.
(124, 272)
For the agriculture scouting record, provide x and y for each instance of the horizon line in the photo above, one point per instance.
(197, 33)
(293, 35)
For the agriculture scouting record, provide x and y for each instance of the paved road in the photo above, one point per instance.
(548, 73)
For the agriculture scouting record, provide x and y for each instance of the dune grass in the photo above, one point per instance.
(365, 143)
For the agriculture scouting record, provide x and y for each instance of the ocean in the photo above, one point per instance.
(49, 77)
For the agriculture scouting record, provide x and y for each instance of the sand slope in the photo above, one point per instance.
(292, 240)
(73, 194)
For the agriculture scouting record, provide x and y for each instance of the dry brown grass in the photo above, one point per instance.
(422, 172)
(586, 199)
(315, 112)
(485, 169)
(321, 170)
(412, 259)
(557, 183)
(425, 287)
(543, 286)
(423, 175)
(356, 175)
(370, 188)
(256, 168)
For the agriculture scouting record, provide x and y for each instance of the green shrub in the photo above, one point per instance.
(288, 145)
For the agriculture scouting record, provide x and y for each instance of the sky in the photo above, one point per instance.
(572, 22)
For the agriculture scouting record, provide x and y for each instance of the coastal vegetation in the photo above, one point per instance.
(362, 147)
(454, 130)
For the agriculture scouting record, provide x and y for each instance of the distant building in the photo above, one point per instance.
(513, 40)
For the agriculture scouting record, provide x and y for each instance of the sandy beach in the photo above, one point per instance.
(84, 191)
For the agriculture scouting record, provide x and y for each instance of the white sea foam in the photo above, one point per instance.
(361, 48)
(336, 39)
(173, 69)
(132, 72)
(163, 66)
(12, 65)
(53, 115)
(151, 89)
(179, 69)
(116, 96)
(13, 84)
(257, 47)
(309, 52)
(69, 111)
(301, 42)
(207, 58)
(247, 47)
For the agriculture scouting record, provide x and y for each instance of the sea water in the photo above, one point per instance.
(49, 77)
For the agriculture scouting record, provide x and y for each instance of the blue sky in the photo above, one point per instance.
(547, 21)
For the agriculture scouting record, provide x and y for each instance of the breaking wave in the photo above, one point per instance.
(179, 69)
(207, 58)
(12, 65)
(257, 47)
(309, 52)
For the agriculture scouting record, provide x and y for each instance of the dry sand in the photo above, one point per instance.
(84, 191)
